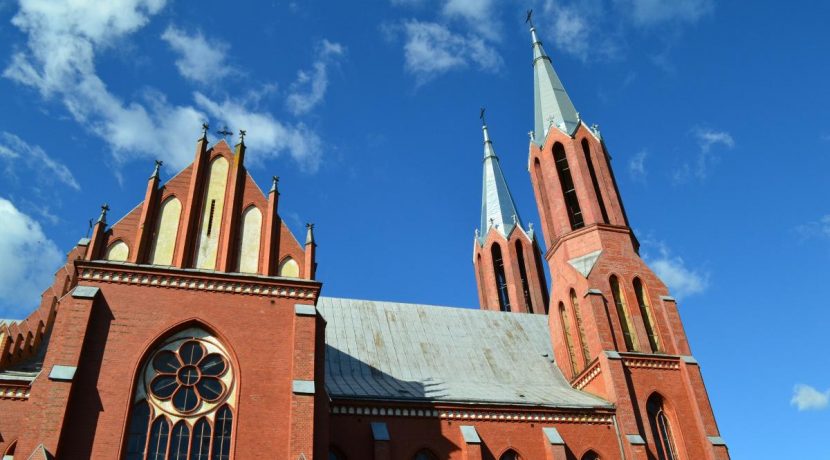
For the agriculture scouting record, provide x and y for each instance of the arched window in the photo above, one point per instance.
(590, 455)
(568, 189)
(586, 149)
(661, 428)
(510, 455)
(9, 455)
(523, 275)
(425, 454)
(186, 380)
(566, 331)
(622, 312)
(335, 454)
(249, 240)
(501, 279)
(543, 196)
(586, 357)
(645, 312)
(167, 229)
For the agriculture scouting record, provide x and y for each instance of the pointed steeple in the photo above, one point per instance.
(552, 106)
(497, 207)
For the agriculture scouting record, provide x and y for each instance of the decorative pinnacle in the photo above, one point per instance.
(103, 217)
(515, 219)
(531, 135)
(205, 128)
(309, 236)
(224, 132)
(156, 169)
(242, 134)
(274, 181)
(492, 222)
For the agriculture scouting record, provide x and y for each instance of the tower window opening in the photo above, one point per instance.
(586, 149)
(622, 312)
(523, 274)
(566, 332)
(586, 357)
(661, 429)
(568, 188)
(210, 216)
(645, 312)
(501, 279)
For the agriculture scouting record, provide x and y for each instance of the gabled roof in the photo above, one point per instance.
(394, 351)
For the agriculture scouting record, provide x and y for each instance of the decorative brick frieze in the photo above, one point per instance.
(474, 414)
(15, 392)
(587, 376)
(652, 362)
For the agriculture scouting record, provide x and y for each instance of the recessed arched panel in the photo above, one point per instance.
(250, 240)
(289, 268)
(167, 229)
(118, 251)
(212, 207)
(661, 428)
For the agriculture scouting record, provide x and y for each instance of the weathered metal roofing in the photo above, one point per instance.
(395, 351)
(497, 207)
(551, 103)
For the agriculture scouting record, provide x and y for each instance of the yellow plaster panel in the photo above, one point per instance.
(118, 251)
(167, 229)
(289, 268)
(212, 214)
(249, 244)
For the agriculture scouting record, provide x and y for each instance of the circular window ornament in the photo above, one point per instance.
(188, 376)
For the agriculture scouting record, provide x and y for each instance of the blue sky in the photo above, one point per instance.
(715, 114)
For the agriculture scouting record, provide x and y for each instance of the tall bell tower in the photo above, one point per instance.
(506, 255)
(616, 330)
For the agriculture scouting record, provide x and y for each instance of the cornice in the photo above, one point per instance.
(583, 416)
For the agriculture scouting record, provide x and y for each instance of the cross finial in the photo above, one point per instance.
(103, 217)
(529, 18)
(492, 222)
(309, 226)
(156, 169)
(242, 134)
(551, 119)
(531, 135)
(481, 116)
(224, 132)
(205, 128)
(477, 234)
(274, 181)
(515, 219)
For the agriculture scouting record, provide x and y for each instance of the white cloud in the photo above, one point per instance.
(199, 60)
(637, 166)
(266, 135)
(479, 15)
(431, 49)
(681, 280)
(656, 12)
(806, 397)
(707, 155)
(33, 156)
(815, 229)
(29, 260)
(310, 87)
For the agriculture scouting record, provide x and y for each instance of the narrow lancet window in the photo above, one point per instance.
(622, 312)
(661, 428)
(523, 274)
(648, 318)
(501, 279)
(586, 149)
(586, 357)
(566, 333)
(568, 188)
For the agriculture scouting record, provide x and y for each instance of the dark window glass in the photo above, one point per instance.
(509, 455)
(137, 434)
(163, 386)
(200, 446)
(185, 399)
(590, 455)
(501, 280)
(179, 442)
(222, 434)
(425, 454)
(661, 429)
(158, 439)
(568, 189)
(586, 149)
(213, 365)
(191, 352)
(523, 275)
(166, 361)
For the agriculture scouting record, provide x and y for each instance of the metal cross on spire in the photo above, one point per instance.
(224, 132)
(481, 116)
(242, 134)
(205, 128)
(103, 217)
(529, 19)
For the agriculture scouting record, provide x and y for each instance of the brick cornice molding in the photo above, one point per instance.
(598, 416)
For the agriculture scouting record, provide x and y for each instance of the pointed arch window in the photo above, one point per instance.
(586, 149)
(566, 332)
(648, 318)
(523, 274)
(661, 428)
(568, 188)
(335, 454)
(425, 454)
(622, 311)
(183, 401)
(510, 455)
(586, 357)
(590, 455)
(501, 279)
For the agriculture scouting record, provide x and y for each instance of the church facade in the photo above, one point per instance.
(150, 345)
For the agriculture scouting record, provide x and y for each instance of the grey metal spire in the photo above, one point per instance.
(552, 106)
(497, 207)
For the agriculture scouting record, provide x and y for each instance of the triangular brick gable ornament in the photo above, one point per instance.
(585, 264)
(41, 453)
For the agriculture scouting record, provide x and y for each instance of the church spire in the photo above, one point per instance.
(552, 106)
(497, 207)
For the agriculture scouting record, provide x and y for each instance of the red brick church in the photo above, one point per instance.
(150, 343)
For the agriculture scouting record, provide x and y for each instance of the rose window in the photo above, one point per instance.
(188, 376)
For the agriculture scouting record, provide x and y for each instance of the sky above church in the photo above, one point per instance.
(715, 114)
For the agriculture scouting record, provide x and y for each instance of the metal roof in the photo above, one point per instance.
(551, 103)
(497, 207)
(395, 351)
